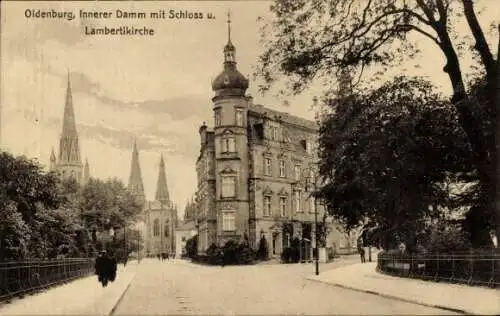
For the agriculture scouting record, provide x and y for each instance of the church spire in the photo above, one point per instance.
(52, 160)
(69, 124)
(229, 26)
(86, 173)
(229, 49)
(161, 186)
(135, 184)
(69, 162)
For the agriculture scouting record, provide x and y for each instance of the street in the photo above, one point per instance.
(179, 287)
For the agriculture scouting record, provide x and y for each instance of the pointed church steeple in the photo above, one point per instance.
(135, 184)
(53, 160)
(161, 186)
(86, 173)
(69, 124)
(69, 163)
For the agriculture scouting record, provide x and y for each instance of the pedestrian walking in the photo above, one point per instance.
(361, 251)
(102, 268)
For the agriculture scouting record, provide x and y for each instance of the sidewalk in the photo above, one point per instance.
(459, 298)
(84, 296)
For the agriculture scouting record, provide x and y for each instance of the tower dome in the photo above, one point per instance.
(230, 82)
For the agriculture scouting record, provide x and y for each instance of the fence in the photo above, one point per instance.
(473, 267)
(21, 277)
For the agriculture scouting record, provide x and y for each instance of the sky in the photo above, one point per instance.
(154, 90)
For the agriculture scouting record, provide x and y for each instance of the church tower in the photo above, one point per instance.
(230, 106)
(86, 173)
(162, 194)
(135, 184)
(69, 162)
(53, 161)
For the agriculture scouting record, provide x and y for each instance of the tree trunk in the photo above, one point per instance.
(496, 105)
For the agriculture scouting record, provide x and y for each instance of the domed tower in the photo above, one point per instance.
(230, 105)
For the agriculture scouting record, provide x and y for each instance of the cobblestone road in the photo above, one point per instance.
(178, 287)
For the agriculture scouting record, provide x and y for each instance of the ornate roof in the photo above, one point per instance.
(230, 81)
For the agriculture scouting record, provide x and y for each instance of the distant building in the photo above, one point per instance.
(182, 234)
(68, 163)
(159, 217)
(254, 170)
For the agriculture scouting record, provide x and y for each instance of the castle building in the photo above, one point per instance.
(159, 217)
(68, 163)
(254, 170)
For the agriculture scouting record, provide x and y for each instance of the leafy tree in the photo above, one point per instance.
(311, 40)
(385, 154)
(108, 204)
(14, 233)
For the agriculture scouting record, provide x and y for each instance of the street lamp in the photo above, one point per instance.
(309, 179)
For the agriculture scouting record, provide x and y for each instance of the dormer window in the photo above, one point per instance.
(275, 133)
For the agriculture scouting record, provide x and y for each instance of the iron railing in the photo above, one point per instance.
(472, 267)
(21, 277)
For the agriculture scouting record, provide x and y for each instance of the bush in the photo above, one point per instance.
(246, 254)
(192, 247)
(263, 251)
(286, 255)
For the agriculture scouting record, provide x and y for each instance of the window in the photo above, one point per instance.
(183, 238)
(228, 144)
(297, 201)
(267, 205)
(282, 206)
(228, 221)
(218, 121)
(156, 227)
(297, 172)
(228, 186)
(312, 206)
(239, 117)
(282, 168)
(275, 133)
(166, 229)
(267, 166)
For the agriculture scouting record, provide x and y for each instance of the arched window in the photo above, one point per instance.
(166, 228)
(156, 227)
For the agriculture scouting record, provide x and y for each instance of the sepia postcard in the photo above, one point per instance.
(281, 157)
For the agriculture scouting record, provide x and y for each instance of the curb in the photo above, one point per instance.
(455, 310)
(122, 295)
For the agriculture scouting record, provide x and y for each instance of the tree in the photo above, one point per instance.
(108, 204)
(319, 39)
(385, 154)
(14, 233)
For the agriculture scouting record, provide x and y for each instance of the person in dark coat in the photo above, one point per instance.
(111, 266)
(101, 267)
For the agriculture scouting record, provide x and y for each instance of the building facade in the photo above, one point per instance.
(255, 170)
(159, 217)
(68, 163)
(182, 234)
